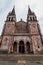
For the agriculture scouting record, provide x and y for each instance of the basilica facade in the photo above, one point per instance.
(21, 37)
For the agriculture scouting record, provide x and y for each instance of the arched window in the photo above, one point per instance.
(31, 18)
(6, 41)
(21, 47)
(15, 47)
(28, 47)
(35, 18)
(37, 42)
(9, 18)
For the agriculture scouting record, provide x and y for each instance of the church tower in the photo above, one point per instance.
(34, 30)
(9, 30)
(9, 27)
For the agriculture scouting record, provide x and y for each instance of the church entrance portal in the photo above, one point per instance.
(15, 47)
(28, 47)
(21, 47)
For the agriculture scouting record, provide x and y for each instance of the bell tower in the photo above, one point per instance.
(32, 22)
(34, 29)
(9, 30)
(12, 16)
(10, 23)
(31, 15)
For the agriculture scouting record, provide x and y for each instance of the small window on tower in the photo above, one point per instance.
(9, 18)
(6, 41)
(31, 18)
(35, 18)
(37, 42)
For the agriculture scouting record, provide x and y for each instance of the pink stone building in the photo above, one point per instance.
(21, 36)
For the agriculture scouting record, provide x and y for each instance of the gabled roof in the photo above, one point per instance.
(21, 26)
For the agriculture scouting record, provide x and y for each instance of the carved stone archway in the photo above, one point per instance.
(15, 47)
(28, 47)
(21, 47)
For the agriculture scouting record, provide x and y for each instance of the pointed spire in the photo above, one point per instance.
(29, 10)
(13, 11)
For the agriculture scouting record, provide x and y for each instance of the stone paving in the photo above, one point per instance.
(21, 57)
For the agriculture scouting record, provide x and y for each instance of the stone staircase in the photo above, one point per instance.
(26, 57)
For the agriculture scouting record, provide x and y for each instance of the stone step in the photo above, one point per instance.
(18, 63)
(12, 57)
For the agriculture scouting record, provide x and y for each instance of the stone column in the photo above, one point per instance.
(25, 49)
(8, 49)
(12, 48)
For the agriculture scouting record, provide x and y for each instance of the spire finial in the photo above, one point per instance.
(28, 7)
(14, 7)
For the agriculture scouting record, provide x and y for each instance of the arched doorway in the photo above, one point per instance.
(15, 47)
(28, 47)
(21, 47)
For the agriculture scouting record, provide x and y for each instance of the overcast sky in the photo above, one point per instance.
(21, 8)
